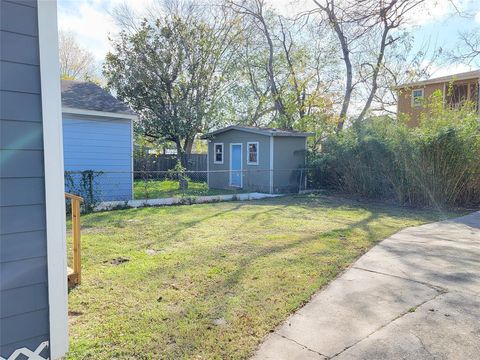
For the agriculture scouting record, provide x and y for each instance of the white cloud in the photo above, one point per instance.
(92, 21)
(91, 24)
(477, 17)
(433, 11)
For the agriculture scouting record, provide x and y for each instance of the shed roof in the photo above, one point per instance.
(455, 77)
(89, 96)
(259, 130)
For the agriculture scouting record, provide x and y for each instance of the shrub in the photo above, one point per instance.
(436, 164)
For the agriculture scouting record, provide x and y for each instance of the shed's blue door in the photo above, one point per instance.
(236, 165)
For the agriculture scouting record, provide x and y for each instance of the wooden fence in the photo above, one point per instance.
(151, 162)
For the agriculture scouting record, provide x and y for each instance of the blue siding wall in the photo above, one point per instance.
(104, 146)
(24, 318)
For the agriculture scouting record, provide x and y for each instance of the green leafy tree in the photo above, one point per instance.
(172, 71)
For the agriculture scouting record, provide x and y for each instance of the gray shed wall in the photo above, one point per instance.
(255, 177)
(289, 155)
(24, 320)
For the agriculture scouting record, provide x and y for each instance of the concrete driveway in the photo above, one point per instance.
(416, 295)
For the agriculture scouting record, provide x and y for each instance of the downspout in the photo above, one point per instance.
(208, 163)
(271, 163)
(305, 164)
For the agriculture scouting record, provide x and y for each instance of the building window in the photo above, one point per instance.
(252, 156)
(458, 95)
(218, 153)
(417, 97)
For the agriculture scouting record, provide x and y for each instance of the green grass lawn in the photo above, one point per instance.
(210, 281)
(155, 189)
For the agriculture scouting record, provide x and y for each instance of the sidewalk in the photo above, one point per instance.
(416, 295)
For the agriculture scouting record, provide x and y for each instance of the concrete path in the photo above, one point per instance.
(416, 295)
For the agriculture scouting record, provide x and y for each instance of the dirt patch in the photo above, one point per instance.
(119, 260)
(73, 315)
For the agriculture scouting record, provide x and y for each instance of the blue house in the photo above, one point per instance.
(97, 142)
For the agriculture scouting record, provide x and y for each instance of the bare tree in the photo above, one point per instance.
(255, 9)
(467, 50)
(75, 62)
(283, 64)
(365, 30)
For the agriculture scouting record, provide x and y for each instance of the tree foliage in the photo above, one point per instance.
(172, 71)
(435, 164)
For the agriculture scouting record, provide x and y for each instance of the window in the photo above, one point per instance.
(417, 97)
(459, 94)
(218, 153)
(252, 155)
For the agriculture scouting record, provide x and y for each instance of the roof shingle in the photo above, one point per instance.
(259, 130)
(90, 96)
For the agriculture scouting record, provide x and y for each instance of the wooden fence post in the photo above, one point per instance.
(75, 277)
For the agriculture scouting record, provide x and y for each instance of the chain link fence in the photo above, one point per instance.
(101, 186)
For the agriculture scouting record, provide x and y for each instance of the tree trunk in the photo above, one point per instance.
(329, 9)
(180, 174)
(349, 80)
(277, 101)
(376, 70)
(188, 145)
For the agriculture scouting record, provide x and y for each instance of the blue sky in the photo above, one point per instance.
(437, 23)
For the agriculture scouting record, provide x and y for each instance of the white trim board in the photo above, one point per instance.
(412, 98)
(208, 163)
(54, 177)
(75, 111)
(215, 153)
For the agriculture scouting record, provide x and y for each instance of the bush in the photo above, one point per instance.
(436, 164)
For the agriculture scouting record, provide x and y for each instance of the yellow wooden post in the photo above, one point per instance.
(77, 268)
(75, 277)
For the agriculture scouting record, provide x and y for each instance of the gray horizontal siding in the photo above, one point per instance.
(31, 343)
(20, 77)
(26, 325)
(255, 177)
(18, 18)
(18, 300)
(31, 3)
(22, 218)
(23, 273)
(23, 244)
(18, 48)
(20, 135)
(20, 106)
(22, 191)
(22, 163)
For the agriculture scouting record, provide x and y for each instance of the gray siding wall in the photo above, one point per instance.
(255, 177)
(289, 155)
(23, 246)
